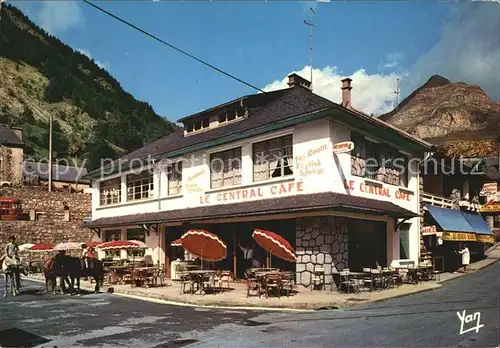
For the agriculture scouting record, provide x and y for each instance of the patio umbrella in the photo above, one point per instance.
(92, 244)
(121, 244)
(207, 246)
(68, 246)
(26, 246)
(176, 243)
(42, 247)
(274, 244)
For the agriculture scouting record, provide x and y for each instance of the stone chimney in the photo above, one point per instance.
(346, 93)
(18, 131)
(295, 80)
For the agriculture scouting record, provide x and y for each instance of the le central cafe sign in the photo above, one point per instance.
(254, 192)
(377, 190)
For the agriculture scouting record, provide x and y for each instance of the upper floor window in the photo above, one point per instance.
(225, 168)
(496, 221)
(230, 115)
(110, 191)
(273, 158)
(174, 177)
(378, 162)
(139, 186)
(196, 125)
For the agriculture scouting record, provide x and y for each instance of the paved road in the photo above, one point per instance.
(103, 320)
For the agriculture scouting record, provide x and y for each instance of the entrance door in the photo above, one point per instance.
(367, 244)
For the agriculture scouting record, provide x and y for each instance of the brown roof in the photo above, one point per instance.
(9, 137)
(297, 203)
(264, 109)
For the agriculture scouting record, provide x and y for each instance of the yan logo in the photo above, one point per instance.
(469, 319)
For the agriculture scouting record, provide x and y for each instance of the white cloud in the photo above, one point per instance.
(87, 53)
(370, 94)
(468, 50)
(392, 60)
(59, 16)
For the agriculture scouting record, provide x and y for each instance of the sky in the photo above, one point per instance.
(374, 43)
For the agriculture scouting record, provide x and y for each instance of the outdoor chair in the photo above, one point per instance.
(224, 277)
(207, 282)
(160, 274)
(318, 280)
(253, 284)
(186, 281)
(272, 281)
(287, 283)
(368, 278)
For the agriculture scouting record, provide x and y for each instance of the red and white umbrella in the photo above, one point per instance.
(274, 244)
(205, 245)
(121, 244)
(92, 244)
(176, 243)
(68, 246)
(42, 247)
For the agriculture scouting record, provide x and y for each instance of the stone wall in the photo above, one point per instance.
(320, 242)
(50, 208)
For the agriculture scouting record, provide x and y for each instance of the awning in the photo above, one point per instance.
(449, 219)
(327, 201)
(461, 226)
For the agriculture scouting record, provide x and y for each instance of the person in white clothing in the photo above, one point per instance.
(465, 257)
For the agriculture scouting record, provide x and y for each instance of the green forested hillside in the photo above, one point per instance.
(94, 117)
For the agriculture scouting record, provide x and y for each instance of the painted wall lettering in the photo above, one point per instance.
(254, 192)
(192, 186)
(376, 190)
(306, 165)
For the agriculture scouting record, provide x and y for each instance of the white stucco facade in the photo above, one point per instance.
(316, 169)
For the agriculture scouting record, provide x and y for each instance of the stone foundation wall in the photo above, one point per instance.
(50, 208)
(320, 242)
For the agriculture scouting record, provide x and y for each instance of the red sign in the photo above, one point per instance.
(377, 190)
(429, 229)
(491, 187)
(246, 194)
(345, 146)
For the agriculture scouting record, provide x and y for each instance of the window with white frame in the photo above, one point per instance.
(273, 158)
(139, 186)
(174, 176)
(225, 168)
(110, 191)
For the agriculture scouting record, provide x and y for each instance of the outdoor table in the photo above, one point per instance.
(143, 272)
(200, 275)
(115, 270)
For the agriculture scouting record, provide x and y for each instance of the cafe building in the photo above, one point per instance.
(340, 186)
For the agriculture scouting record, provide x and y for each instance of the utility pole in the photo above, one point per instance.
(50, 152)
(397, 92)
(310, 25)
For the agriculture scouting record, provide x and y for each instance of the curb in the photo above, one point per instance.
(469, 273)
(221, 305)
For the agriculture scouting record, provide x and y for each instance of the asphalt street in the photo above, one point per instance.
(427, 319)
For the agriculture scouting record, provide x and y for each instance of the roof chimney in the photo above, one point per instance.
(295, 80)
(346, 93)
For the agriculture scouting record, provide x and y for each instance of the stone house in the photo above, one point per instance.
(11, 155)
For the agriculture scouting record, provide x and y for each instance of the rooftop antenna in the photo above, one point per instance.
(397, 92)
(310, 25)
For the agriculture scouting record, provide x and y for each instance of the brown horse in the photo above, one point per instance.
(49, 275)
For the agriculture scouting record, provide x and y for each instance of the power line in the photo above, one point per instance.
(154, 37)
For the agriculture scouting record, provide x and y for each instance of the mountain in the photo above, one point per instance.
(93, 116)
(459, 118)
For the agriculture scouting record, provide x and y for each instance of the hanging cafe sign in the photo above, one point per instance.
(468, 237)
(492, 207)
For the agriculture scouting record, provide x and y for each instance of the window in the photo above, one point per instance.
(404, 241)
(136, 234)
(139, 186)
(378, 162)
(496, 221)
(174, 177)
(230, 115)
(196, 125)
(225, 168)
(110, 191)
(112, 235)
(273, 158)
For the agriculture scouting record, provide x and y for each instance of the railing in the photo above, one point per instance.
(437, 201)
(443, 202)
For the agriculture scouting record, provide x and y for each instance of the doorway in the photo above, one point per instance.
(367, 244)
